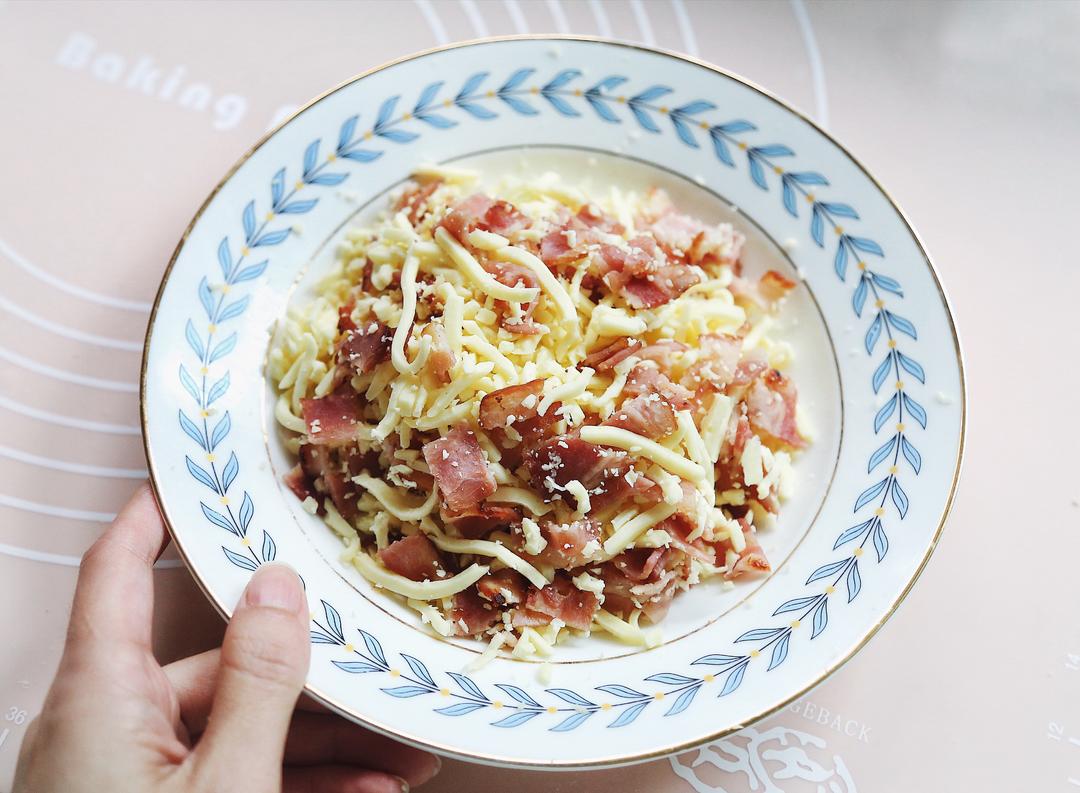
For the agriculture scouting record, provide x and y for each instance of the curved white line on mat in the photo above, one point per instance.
(68, 561)
(65, 376)
(603, 24)
(517, 16)
(682, 17)
(26, 265)
(558, 16)
(56, 512)
(476, 19)
(648, 38)
(71, 468)
(817, 67)
(67, 421)
(70, 333)
(427, 9)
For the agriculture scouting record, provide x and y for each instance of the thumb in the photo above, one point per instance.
(264, 661)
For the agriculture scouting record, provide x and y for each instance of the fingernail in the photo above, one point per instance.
(438, 765)
(404, 785)
(275, 586)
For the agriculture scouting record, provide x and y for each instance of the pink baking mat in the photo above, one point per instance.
(118, 118)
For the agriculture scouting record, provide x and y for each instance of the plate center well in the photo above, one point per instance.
(800, 323)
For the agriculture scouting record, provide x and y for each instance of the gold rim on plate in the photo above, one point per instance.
(615, 760)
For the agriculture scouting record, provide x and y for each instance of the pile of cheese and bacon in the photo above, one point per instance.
(535, 413)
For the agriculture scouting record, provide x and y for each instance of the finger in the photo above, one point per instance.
(314, 737)
(317, 739)
(264, 661)
(114, 597)
(194, 680)
(341, 779)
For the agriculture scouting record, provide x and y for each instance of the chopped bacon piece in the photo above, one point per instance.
(566, 457)
(363, 462)
(366, 348)
(642, 274)
(648, 415)
(679, 526)
(603, 472)
(478, 211)
(503, 218)
(523, 327)
(676, 232)
(314, 460)
(471, 614)
(465, 214)
(647, 379)
(774, 286)
(717, 363)
(607, 357)
(414, 199)
(661, 286)
(622, 585)
(728, 472)
(618, 263)
(656, 607)
(640, 564)
(503, 588)
(556, 250)
(617, 586)
(477, 523)
(684, 237)
(752, 557)
(460, 469)
(770, 288)
(720, 244)
(771, 408)
(566, 542)
(345, 322)
(523, 618)
(441, 360)
(592, 216)
(343, 494)
(414, 557)
(512, 274)
(663, 352)
(300, 483)
(505, 408)
(623, 486)
(559, 600)
(748, 370)
(332, 419)
(505, 405)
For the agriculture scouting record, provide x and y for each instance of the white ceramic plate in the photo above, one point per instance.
(878, 369)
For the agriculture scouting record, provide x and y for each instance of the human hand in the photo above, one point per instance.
(115, 720)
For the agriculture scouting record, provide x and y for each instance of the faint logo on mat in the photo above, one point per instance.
(776, 760)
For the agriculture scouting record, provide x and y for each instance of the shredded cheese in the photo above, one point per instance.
(578, 491)
(534, 540)
(522, 496)
(478, 275)
(394, 502)
(624, 537)
(619, 438)
(494, 550)
(714, 425)
(417, 590)
(548, 282)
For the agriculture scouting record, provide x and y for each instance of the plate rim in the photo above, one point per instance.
(619, 760)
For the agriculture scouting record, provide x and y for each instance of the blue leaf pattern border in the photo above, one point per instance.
(210, 341)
